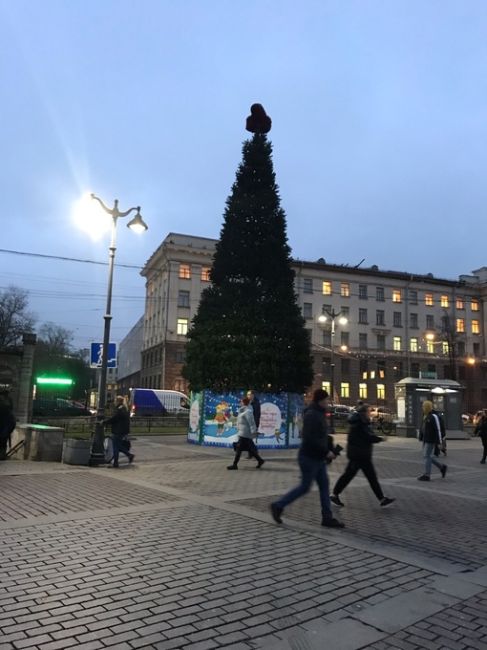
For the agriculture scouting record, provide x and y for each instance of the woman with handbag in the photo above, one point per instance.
(120, 425)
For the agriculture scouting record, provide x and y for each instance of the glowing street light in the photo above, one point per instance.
(97, 217)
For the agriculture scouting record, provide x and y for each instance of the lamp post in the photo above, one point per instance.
(332, 316)
(138, 225)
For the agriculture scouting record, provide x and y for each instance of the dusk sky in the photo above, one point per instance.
(379, 113)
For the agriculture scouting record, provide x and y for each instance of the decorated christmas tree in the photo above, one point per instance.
(249, 332)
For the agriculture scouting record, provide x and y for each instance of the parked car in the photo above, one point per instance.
(381, 413)
(341, 411)
(148, 402)
(58, 407)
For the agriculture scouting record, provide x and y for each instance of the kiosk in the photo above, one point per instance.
(447, 398)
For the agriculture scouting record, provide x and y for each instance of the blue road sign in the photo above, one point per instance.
(96, 354)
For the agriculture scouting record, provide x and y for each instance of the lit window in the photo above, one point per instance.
(445, 347)
(428, 299)
(326, 288)
(381, 391)
(430, 347)
(474, 304)
(344, 389)
(460, 325)
(396, 343)
(362, 391)
(460, 303)
(205, 273)
(475, 327)
(182, 327)
(396, 295)
(184, 271)
(413, 345)
(325, 385)
(444, 302)
(345, 289)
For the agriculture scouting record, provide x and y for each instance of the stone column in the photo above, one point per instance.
(25, 379)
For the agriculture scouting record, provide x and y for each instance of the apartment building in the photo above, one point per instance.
(397, 324)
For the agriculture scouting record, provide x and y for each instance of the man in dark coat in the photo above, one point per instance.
(431, 433)
(7, 422)
(314, 452)
(359, 454)
(255, 404)
(120, 426)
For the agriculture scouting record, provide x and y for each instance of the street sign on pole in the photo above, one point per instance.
(97, 353)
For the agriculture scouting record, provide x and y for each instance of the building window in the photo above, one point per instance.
(445, 347)
(413, 297)
(381, 342)
(325, 385)
(397, 319)
(460, 303)
(461, 348)
(379, 294)
(345, 290)
(345, 339)
(326, 288)
(474, 305)
(205, 273)
(362, 316)
(381, 391)
(326, 338)
(430, 347)
(184, 272)
(344, 389)
(475, 327)
(413, 345)
(430, 322)
(476, 349)
(396, 295)
(345, 366)
(460, 325)
(362, 291)
(380, 318)
(381, 369)
(183, 299)
(396, 343)
(180, 356)
(308, 310)
(345, 311)
(182, 326)
(362, 391)
(413, 321)
(307, 285)
(362, 340)
(428, 299)
(415, 368)
(444, 301)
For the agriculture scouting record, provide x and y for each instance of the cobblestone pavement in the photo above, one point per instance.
(176, 552)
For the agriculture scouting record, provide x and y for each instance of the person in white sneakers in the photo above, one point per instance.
(431, 434)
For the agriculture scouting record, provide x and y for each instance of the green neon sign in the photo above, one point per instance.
(54, 381)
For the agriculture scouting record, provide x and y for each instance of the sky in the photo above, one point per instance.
(379, 113)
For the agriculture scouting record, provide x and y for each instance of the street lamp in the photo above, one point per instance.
(332, 316)
(138, 225)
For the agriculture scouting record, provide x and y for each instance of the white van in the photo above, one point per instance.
(150, 402)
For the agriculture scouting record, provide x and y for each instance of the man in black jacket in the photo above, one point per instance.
(312, 457)
(255, 404)
(431, 433)
(120, 425)
(359, 454)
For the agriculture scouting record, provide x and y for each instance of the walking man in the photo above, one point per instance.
(359, 454)
(120, 424)
(313, 454)
(431, 433)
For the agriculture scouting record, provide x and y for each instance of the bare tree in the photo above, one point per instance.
(15, 319)
(54, 339)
